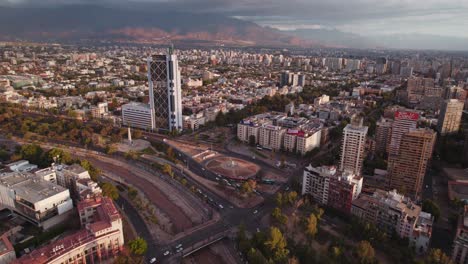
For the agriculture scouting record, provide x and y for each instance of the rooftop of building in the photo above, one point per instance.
(29, 187)
(456, 174)
(136, 104)
(106, 212)
(327, 170)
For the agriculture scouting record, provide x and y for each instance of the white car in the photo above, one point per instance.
(153, 260)
(180, 249)
(166, 253)
(256, 211)
(221, 206)
(178, 246)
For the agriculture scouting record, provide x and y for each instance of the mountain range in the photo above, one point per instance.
(333, 37)
(155, 24)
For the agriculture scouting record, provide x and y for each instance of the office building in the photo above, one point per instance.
(450, 116)
(460, 243)
(98, 241)
(392, 212)
(403, 122)
(138, 115)
(383, 135)
(165, 92)
(353, 145)
(40, 202)
(408, 166)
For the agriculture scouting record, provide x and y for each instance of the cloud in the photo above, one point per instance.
(366, 17)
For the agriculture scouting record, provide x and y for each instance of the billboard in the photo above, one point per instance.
(406, 115)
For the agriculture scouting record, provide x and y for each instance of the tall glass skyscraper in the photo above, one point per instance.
(165, 93)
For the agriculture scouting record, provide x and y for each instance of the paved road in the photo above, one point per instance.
(231, 215)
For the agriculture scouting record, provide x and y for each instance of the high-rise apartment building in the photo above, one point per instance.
(316, 182)
(327, 186)
(417, 87)
(343, 190)
(408, 167)
(353, 145)
(450, 116)
(165, 91)
(392, 212)
(404, 121)
(383, 135)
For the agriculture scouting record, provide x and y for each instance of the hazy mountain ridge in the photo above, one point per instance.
(333, 37)
(133, 25)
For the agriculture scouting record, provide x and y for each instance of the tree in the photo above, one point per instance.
(437, 256)
(246, 188)
(311, 225)
(252, 140)
(365, 252)
(430, 207)
(59, 155)
(277, 244)
(292, 196)
(167, 169)
(255, 256)
(93, 172)
(252, 184)
(170, 153)
(183, 182)
(111, 149)
(138, 246)
(32, 153)
(279, 199)
(109, 190)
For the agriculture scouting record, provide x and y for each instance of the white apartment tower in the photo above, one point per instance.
(353, 145)
(165, 91)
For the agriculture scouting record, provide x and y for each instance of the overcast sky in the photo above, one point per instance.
(365, 17)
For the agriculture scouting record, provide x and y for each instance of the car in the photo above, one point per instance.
(153, 260)
(258, 230)
(221, 206)
(178, 246)
(180, 249)
(167, 252)
(427, 186)
(217, 178)
(256, 211)
(203, 169)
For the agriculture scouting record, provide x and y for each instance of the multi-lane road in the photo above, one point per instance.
(231, 216)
